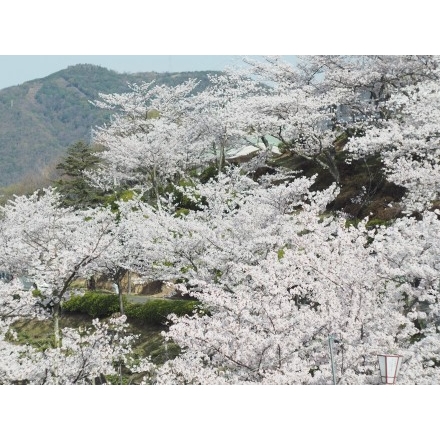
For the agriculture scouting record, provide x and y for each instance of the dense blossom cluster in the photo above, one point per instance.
(274, 271)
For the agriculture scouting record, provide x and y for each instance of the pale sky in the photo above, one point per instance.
(37, 43)
(16, 69)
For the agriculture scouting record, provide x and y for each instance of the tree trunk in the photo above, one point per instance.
(91, 285)
(121, 302)
(56, 325)
(57, 337)
(221, 159)
(156, 186)
(129, 282)
(332, 166)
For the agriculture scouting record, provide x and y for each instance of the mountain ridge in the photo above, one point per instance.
(40, 118)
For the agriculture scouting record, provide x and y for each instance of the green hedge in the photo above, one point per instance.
(102, 305)
(157, 310)
(97, 305)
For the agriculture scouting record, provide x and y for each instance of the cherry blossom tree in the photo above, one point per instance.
(234, 219)
(269, 322)
(145, 144)
(296, 109)
(275, 272)
(408, 144)
(312, 107)
(83, 354)
(15, 304)
(409, 263)
(87, 354)
(216, 123)
(51, 244)
(128, 251)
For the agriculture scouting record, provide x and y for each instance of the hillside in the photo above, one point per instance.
(39, 119)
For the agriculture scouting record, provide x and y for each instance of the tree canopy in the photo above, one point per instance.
(276, 265)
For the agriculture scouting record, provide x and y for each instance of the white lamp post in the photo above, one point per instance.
(389, 365)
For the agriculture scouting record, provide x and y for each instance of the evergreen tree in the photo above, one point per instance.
(74, 186)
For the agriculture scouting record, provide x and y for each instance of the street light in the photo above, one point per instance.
(389, 365)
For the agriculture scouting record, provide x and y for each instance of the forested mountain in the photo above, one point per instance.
(39, 119)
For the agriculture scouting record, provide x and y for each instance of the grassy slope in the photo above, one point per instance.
(150, 342)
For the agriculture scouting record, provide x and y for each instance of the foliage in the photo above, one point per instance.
(73, 185)
(156, 311)
(51, 244)
(84, 353)
(95, 304)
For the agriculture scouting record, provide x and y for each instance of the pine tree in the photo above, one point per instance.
(74, 185)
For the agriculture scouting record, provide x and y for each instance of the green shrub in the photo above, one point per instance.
(100, 305)
(95, 304)
(164, 352)
(371, 224)
(157, 310)
(352, 222)
(209, 173)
